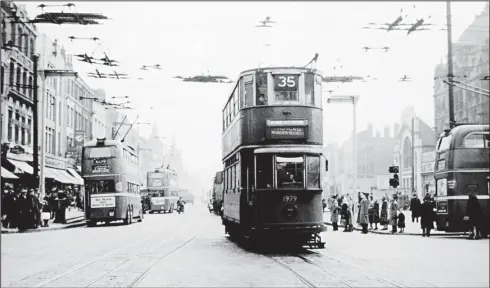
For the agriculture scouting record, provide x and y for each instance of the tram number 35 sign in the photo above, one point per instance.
(286, 82)
(289, 199)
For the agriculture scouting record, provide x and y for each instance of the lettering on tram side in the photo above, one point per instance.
(286, 132)
(103, 202)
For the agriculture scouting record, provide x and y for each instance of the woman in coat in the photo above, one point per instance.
(334, 214)
(384, 214)
(363, 213)
(427, 216)
(476, 216)
(347, 208)
(394, 214)
(376, 214)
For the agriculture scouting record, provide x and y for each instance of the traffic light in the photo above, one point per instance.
(394, 180)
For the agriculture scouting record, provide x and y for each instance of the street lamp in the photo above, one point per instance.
(350, 99)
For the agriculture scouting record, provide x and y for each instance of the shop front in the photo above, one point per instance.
(59, 177)
(427, 173)
(16, 163)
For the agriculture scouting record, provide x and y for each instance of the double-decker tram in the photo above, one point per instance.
(110, 170)
(163, 190)
(462, 167)
(272, 139)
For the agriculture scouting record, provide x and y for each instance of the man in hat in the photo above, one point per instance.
(25, 209)
(415, 208)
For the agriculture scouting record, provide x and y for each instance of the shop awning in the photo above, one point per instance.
(75, 175)
(6, 174)
(21, 167)
(60, 175)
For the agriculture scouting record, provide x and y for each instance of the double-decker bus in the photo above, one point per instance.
(163, 190)
(272, 147)
(110, 172)
(462, 167)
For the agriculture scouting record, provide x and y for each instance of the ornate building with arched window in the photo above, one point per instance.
(414, 144)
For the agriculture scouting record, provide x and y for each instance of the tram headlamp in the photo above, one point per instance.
(452, 184)
(119, 187)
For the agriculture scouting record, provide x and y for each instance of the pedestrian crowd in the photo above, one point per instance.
(23, 208)
(390, 213)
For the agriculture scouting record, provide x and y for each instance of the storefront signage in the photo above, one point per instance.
(100, 168)
(427, 168)
(286, 132)
(55, 163)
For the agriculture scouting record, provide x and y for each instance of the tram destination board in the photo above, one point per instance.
(100, 168)
(286, 132)
(285, 82)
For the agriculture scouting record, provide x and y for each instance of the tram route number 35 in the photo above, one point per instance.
(289, 199)
(286, 82)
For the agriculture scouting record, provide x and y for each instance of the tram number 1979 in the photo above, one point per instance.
(289, 198)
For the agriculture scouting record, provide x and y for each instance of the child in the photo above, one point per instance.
(401, 222)
(46, 213)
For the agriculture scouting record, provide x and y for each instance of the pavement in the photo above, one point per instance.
(411, 228)
(191, 250)
(74, 218)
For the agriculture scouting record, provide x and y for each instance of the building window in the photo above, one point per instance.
(3, 78)
(11, 74)
(29, 129)
(31, 88)
(18, 79)
(24, 82)
(11, 117)
(20, 38)
(4, 30)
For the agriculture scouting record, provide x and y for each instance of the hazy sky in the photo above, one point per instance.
(189, 38)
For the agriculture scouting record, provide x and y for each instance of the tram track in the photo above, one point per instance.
(333, 278)
(121, 267)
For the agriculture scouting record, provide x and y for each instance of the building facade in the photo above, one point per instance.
(17, 74)
(423, 141)
(374, 156)
(470, 65)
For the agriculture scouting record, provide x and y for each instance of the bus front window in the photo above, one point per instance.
(100, 152)
(290, 171)
(100, 186)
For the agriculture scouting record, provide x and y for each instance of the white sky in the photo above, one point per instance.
(189, 38)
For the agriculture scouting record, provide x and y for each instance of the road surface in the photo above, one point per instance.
(191, 250)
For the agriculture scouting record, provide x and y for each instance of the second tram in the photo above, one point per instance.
(272, 150)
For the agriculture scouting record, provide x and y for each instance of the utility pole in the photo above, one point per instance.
(35, 123)
(450, 65)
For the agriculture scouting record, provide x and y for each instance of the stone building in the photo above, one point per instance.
(374, 156)
(424, 141)
(471, 65)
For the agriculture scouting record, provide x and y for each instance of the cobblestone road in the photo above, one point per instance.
(169, 250)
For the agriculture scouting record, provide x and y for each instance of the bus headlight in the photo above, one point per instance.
(451, 184)
(119, 187)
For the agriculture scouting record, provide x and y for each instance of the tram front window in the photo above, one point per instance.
(290, 171)
(264, 171)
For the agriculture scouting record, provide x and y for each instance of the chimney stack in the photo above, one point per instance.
(55, 47)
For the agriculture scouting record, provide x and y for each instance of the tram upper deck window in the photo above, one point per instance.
(261, 84)
(290, 171)
(246, 91)
(310, 89)
(286, 89)
(264, 171)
